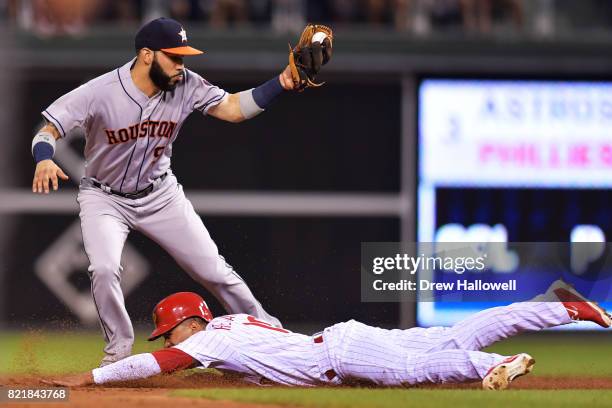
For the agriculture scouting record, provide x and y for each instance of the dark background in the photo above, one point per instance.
(356, 134)
(529, 214)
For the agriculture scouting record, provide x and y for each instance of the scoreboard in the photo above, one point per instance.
(512, 161)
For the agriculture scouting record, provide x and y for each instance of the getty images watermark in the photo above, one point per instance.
(479, 271)
(456, 264)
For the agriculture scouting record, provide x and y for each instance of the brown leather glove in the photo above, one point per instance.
(312, 51)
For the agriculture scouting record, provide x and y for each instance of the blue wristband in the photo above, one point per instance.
(42, 151)
(266, 92)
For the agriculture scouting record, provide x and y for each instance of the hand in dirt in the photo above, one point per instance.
(76, 380)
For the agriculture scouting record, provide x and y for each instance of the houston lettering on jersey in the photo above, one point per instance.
(129, 135)
(152, 128)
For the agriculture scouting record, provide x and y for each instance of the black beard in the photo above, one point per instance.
(160, 78)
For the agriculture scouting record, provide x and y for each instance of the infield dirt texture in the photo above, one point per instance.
(571, 371)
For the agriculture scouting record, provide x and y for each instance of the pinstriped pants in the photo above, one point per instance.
(437, 354)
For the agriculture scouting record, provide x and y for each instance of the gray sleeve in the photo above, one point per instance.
(71, 110)
(202, 94)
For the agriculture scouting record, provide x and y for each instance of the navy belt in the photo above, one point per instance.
(132, 196)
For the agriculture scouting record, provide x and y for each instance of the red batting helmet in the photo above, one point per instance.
(174, 309)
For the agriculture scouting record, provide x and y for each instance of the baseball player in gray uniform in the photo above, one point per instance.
(131, 117)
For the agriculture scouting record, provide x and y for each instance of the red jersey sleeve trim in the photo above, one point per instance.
(173, 359)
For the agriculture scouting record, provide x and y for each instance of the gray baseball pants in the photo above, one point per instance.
(168, 218)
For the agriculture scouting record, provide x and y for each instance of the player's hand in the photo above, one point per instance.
(47, 171)
(285, 79)
(77, 380)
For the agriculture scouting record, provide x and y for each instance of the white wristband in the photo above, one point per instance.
(44, 137)
(248, 106)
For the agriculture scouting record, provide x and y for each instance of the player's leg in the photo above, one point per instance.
(104, 234)
(560, 304)
(486, 327)
(178, 229)
(450, 366)
(359, 351)
(457, 366)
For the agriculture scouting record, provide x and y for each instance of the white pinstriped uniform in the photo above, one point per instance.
(357, 351)
(239, 344)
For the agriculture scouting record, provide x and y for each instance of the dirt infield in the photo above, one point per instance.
(144, 393)
(155, 391)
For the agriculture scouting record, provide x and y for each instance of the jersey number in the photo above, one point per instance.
(158, 151)
(254, 322)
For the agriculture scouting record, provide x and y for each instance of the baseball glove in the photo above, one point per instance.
(312, 51)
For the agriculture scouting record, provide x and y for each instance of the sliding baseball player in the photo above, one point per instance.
(264, 354)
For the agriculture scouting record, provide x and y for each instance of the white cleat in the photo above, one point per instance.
(500, 376)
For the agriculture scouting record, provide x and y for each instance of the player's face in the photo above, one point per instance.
(166, 70)
(180, 333)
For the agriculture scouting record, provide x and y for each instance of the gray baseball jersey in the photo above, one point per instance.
(128, 147)
(129, 135)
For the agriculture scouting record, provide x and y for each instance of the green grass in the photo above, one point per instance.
(51, 352)
(560, 354)
(563, 354)
(40, 352)
(392, 398)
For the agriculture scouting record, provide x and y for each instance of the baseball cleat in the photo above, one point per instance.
(500, 376)
(578, 307)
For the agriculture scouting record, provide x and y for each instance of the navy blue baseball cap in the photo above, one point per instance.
(164, 34)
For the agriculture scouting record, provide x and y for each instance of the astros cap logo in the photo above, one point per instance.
(164, 34)
(183, 35)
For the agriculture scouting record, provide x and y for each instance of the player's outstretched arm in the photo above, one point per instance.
(43, 147)
(250, 103)
(313, 50)
(135, 367)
